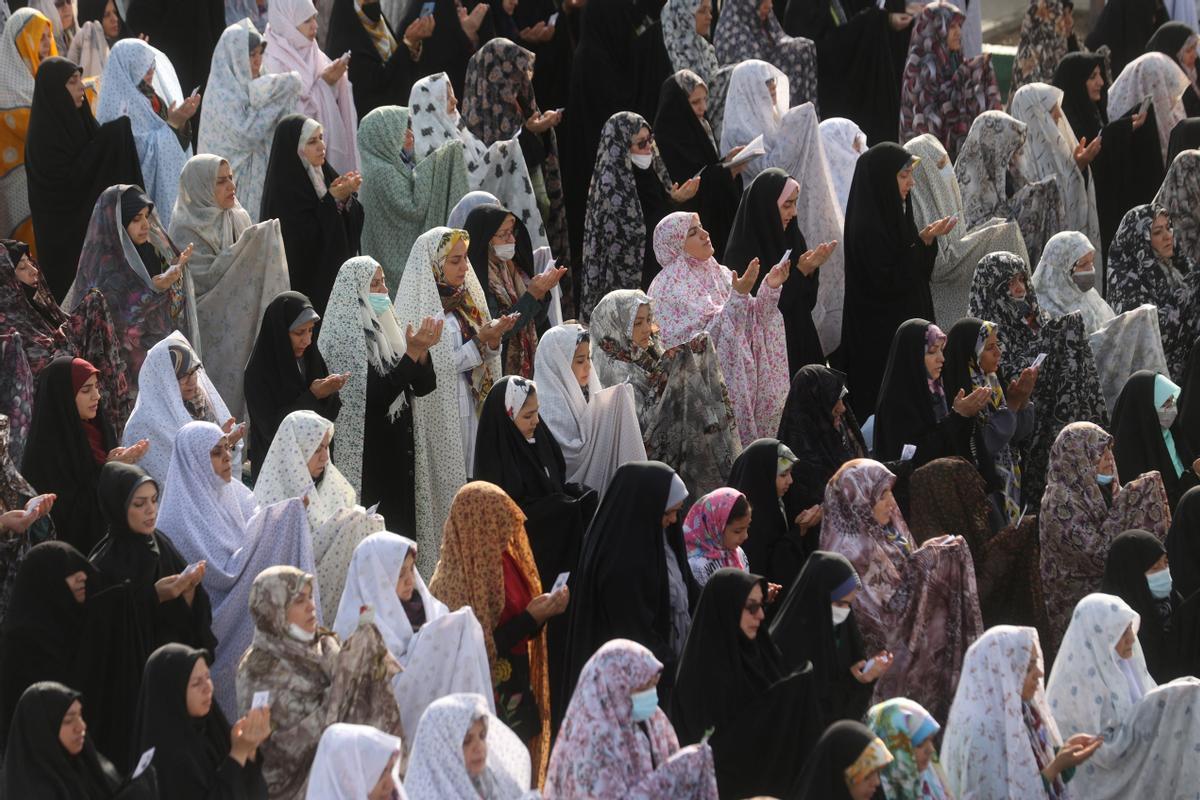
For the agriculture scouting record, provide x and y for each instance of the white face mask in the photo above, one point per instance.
(840, 614)
(504, 252)
(299, 634)
(947, 172)
(642, 161)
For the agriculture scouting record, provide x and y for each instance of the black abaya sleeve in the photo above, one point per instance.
(264, 422)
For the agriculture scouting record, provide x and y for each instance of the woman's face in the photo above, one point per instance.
(752, 613)
(26, 272)
(865, 787)
(1107, 463)
(111, 22)
(505, 233)
(75, 89)
(783, 482)
(139, 227)
(142, 514)
(923, 753)
(1187, 56)
(954, 37)
(66, 14)
(1056, 113)
(320, 457)
(1095, 85)
(787, 208)
(199, 690)
(314, 148)
(641, 142)
(839, 411)
(1162, 239)
(527, 417)
(704, 17)
(1125, 643)
(407, 581)
(256, 59)
(1085, 264)
(643, 326)
(225, 191)
(301, 338)
(73, 730)
(989, 359)
(885, 509)
(773, 91)
(736, 531)
(581, 363)
(905, 181)
(1033, 674)
(475, 748)
(846, 600)
(697, 243)
(934, 359)
(87, 399)
(1159, 565)
(451, 100)
(698, 100)
(409, 141)
(671, 515)
(379, 282)
(308, 28)
(77, 583)
(44, 44)
(456, 265)
(302, 611)
(764, 9)
(148, 78)
(221, 456)
(189, 385)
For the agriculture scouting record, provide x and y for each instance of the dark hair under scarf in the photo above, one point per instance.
(133, 200)
(1086, 116)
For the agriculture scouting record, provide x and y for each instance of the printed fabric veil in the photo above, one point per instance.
(686, 48)
(741, 35)
(1043, 41)
(682, 402)
(241, 112)
(439, 466)
(614, 229)
(988, 747)
(899, 723)
(1180, 196)
(1158, 77)
(349, 761)
(237, 268)
(703, 532)
(919, 603)
(161, 156)
(694, 297)
(498, 168)
(1057, 291)
(222, 523)
(942, 92)
(355, 339)
(598, 431)
(937, 195)
(110, 262)
(602, 752)
(336, 520)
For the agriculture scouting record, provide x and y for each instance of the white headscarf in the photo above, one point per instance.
(1056, 290)
(1050, 152)
(159, 412)
(598, 433)
(987, 748)
(159, 152)
(241, 112)
(440, 465)
(749, 111)
(353, 339)
(843, 142)
(499, 169)
(1155, 75)
(349, 761)
(437, 771)
(470, 201)
(223, 524)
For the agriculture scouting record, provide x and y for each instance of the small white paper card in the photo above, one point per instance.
(143, 764)
(1037, 362)
(907, 452)
(261, 700)
(33, 505)
(372, 509)
(560, 581)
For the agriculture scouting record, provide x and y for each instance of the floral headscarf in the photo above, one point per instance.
(983, 163)
(704, 527)
(686, 48)
(1180, 196)
(1158, 77)
(741, 35)
(1056, 289)
(1043, 42)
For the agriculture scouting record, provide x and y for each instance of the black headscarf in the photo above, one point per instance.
(186, 32)
(374, 82)
(274, 383)
(1126, 26)
(481, 224)
(133, 200)
(887, 270)
(1189, 396)
(620, 587)
(43, 625)
(37, 766)
(1130, 555)
(1184, 136)
(1169, 39)
(803, 630)
(93, 11)
(773, 548)
(1086, 116)
(1183, 544)
(59, 459)
(757, 233)
(187, 750)
(448, 50)
(1139, 445)
(69, 161)
(824, 776)
(807, 428)
(961, 340)
(686, 147)
(317, 237)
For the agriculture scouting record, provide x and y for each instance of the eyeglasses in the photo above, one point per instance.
(753, 607)
(642, 143)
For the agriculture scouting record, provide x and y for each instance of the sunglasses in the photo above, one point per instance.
(643, 142)
(753, 607)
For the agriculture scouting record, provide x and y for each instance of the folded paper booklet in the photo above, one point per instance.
(748, 153)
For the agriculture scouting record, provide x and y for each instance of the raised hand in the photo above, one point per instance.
(545, 281)
(811, 260)
(425, 337)
(179, 113)
(419, 30)
(778, 274)
(336, 69)
(131, 454)
(345, 185)
(971, 404)
(681, 193)
(939, 227)
(1020, 390)
(742, 284)
(330, 384)
(248, 733)
(1086, 152)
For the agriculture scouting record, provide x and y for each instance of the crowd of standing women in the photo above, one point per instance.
(597, 399)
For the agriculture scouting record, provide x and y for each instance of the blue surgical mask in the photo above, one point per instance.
(1160, 583)
(644, 704)
(1102, 479)
(380, 302)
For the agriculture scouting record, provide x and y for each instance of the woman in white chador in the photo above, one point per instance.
(442, 652)
(1100, 684)
(355, 762)
(298, 465)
